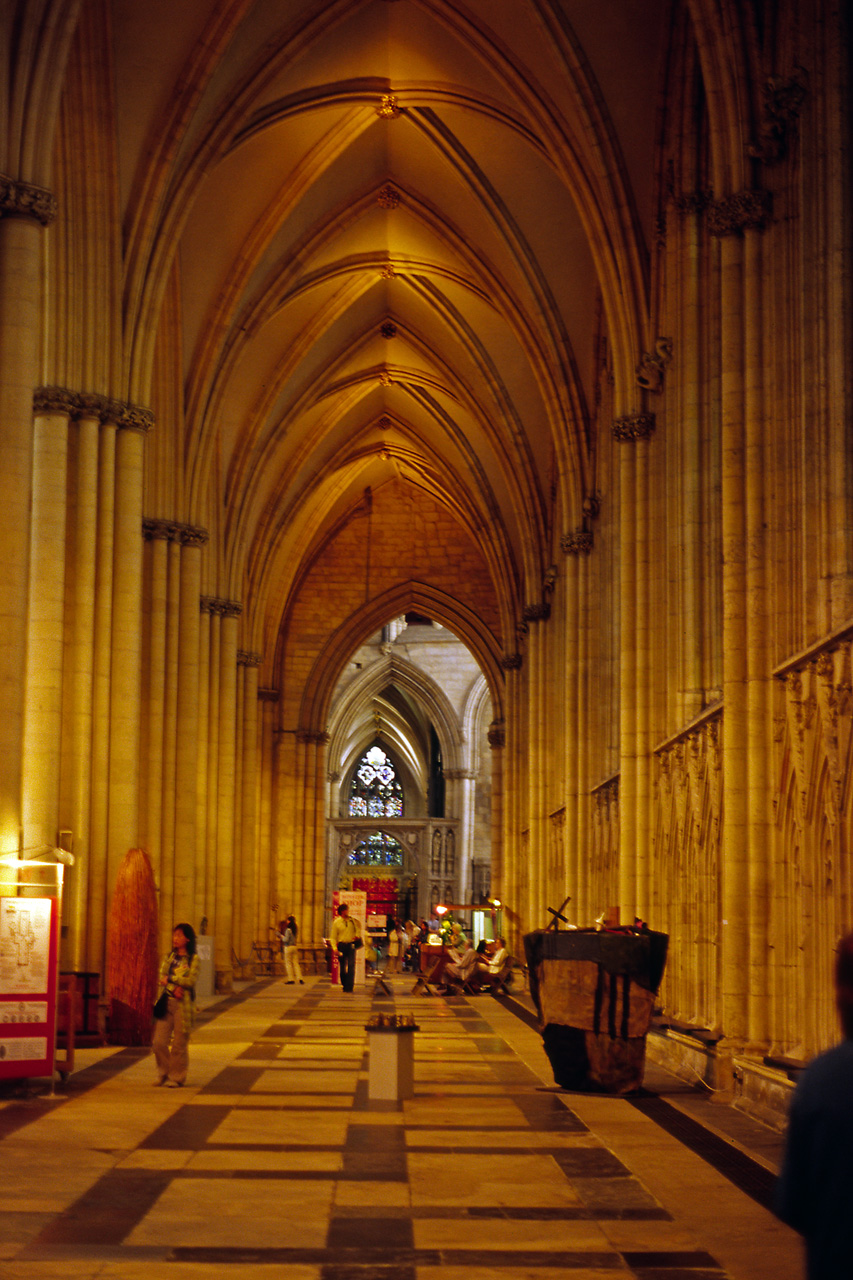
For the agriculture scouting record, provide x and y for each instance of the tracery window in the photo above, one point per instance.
(377, 850)
(375, 791)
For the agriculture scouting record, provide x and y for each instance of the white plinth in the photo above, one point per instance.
(391, 1065)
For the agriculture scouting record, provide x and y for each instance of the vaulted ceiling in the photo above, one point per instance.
(385, 241)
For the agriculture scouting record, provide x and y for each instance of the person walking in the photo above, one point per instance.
(345, 932)
(291, 951)
(815, 1188)
(178, 977)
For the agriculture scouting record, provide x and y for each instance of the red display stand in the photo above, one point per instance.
(30, 901)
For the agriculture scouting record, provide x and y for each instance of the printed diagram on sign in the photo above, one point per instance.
(24, 945)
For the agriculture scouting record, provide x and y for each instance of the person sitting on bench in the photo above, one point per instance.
(458, 972)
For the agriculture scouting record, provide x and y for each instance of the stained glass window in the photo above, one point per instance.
(378, 850)
(375, 791)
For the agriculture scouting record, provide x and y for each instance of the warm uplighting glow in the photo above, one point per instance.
(441, 911)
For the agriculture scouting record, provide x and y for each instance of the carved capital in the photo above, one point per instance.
(224, 608)
(496, 735)
(173, 531)
(267, 695)
(692, 202)
(577, 543)
(312, 737)
(23, 200)
(54, 400)
(634, 426)
(158, 530)
(743, 211)
(134, 417)
(511, 661)
(388, 196)
(536, 612)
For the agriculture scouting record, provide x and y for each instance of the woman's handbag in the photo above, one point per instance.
(161, 1005)
(358, 943)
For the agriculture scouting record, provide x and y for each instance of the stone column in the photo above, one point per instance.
(189, 714)
(83, 546)
(497, 742)
(633, 431)
(247, 841)
(463, 806)
(223, 913)
(125, 715)
(267, 877)
(577, 547)
(203, 894)
(157, 533)
(24, 211)
(99, 810)
(311, 751)
(43, 721)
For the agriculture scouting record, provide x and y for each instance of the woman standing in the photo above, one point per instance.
(291, 951)
(178, 975)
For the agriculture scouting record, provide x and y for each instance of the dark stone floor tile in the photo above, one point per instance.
(375, 1138)
(491, 1044)
(282, 1031)
(263, 1051)
(614, 1197)
(390, 1234)
(233, 1079)
(380, 1167)
(108, 1211)
(646, 1259)
(509, 1259)
(678, 1273)
(545, 1113)
(348, 1271)
(589, 1162)
(189, 1129)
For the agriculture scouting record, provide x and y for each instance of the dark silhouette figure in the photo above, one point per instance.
(815, 1191)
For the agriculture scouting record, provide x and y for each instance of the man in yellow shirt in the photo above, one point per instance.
(344, 934)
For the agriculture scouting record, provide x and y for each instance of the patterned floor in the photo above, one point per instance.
(274, 1161)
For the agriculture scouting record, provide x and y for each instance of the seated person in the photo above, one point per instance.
(457, 939)
(494, 964)
(460, 970)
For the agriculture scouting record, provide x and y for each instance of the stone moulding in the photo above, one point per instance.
(578, 542)
(634, 426)
(23, 200)
(247, 659)
(743, 211)
(224, 608)
(173, 531)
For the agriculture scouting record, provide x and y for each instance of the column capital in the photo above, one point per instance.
(511, 661)
(246, 659)
(634, 426)
(268, 695)
(460, 775)
(539, 612)
(742, 211)
(313, 737)
(497, 734)
(23, 200)
(54, 400)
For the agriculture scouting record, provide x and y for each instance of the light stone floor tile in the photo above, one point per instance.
(501, 1233)
(527, 1181)
(266, 1161)
(496, 1138)
(157, 1159)
(222, 1212)
(300, 1080)
(354, 1195)
(274, 1127)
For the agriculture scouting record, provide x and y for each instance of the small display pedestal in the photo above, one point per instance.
(391, 1066)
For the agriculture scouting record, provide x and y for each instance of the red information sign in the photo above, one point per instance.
(29, 937)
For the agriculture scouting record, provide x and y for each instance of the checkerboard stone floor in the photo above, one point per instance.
(273, 1161)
